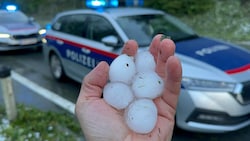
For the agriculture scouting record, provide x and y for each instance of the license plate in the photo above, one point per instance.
(28, 41)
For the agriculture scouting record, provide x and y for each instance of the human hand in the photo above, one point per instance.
(101, 122)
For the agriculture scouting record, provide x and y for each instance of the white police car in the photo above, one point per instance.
(17, 31)
(215, 92)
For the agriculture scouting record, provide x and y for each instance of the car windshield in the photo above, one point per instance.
(13, 17)
(143, 28)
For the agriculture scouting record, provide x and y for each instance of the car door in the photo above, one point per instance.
(66, 39)
(94, 50)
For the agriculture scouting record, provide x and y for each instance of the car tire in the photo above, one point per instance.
(56, 67)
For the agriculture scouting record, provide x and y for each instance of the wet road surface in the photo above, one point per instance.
(31, 65)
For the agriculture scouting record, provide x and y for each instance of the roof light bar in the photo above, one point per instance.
(101, 3)
(11, 7)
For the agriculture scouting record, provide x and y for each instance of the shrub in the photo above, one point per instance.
(182, 7)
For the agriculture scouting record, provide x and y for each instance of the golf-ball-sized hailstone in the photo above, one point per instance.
(144, 61)
(141, 116)
(122, 69)
(118, 95)
(147, 85)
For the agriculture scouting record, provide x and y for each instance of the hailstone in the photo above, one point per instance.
(144, 61)
(118, 95)
(122, 69)
(147, 85)
(133, 84)
(141, 116)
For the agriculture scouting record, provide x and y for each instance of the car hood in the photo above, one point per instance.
(222, 57)
(19, 28)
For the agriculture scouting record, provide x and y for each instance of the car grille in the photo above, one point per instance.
(246, 93)
(17, 37)
(216, 117)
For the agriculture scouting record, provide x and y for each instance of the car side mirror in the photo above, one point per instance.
(110, 40)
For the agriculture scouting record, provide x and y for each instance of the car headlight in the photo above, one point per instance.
(207, 85)
(4, 35)
(42, 31)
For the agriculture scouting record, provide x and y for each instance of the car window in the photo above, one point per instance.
(99, 27)
(143, 28)
(72, 24)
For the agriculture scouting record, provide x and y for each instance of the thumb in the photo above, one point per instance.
(94, 82)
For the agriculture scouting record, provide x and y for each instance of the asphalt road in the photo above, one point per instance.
(31, 65)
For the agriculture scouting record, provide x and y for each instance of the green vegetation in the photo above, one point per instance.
(228, 20)
(34, 124)
(45, 10)
(182, 7)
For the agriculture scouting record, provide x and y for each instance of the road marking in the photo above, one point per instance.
(49, 95)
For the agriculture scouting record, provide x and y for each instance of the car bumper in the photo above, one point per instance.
(211, 112)
(7, 47)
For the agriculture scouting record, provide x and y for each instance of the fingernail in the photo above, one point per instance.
(165, 37)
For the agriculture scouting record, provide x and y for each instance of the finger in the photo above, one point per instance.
(166, 49)
(166, 104)
(172, 81)
(155, 44)
(130, 48)
(94, 82)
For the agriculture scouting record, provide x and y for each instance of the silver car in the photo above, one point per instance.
(215, 92)
(17, 31)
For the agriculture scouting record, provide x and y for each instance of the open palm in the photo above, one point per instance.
(101, 122)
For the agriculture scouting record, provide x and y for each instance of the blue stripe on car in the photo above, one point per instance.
(218, 54)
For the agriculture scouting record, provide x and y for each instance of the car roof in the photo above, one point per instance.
(3, 11)
(6, 11)
(127, 11)
(116, 12)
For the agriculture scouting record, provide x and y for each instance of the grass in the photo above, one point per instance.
(34, 124)
(228, 21)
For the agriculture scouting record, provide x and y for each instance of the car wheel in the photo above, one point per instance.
(56, 67)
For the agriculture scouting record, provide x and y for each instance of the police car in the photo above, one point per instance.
(215, 91)
(17, 31)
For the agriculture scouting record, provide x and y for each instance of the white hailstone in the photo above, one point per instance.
(133, 84)
(118, 95)
(147, 85)
(141, 116)
(122, 69)
(144, 61)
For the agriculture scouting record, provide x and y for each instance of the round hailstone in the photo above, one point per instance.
(122, 69)
(118, 95)
(141, 116)
(147, 85)
(144, 61)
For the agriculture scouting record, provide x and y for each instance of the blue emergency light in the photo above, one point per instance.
(100, 4)
(11, 7)
(97, 4)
